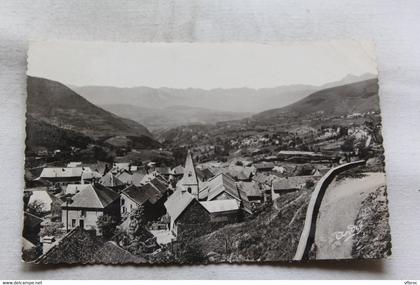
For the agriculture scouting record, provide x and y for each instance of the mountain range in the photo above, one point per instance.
(170, 117)
(54, 107)
(237, 100)
(357, 97)
(57, 112)
(164, 108)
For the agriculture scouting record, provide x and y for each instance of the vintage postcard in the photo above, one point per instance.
(203, 153)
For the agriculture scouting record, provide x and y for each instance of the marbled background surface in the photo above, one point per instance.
(393, 25)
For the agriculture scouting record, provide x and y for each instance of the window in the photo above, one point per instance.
(122, 201)
(83, 213)
(189, 174)
(73, 223)
(189, 190)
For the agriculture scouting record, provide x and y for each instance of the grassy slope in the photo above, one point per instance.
(272, 236)
(355, 97)
(58, 105)
(374, 239)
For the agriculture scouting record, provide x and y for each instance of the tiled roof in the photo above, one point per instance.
(110, 180)
(264, 165)
(54, 172)
(77, 246)
(239, 172)
(251, 189)
(217, 206)
(219, 184)
(43, 196)
(177, 203)
(263, 178)
(144, 193)
(287, 183)
(159, 185)
(110, 252)
(94, 196)
(75, 188)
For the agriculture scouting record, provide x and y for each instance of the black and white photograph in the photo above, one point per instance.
(199, 153)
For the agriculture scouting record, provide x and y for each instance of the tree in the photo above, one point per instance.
(52, 229)
(309, 183)
(348, 145)
(36, 208)
(26, 197)
(106, 225)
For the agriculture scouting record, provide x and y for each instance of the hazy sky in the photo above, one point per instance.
(198, 65)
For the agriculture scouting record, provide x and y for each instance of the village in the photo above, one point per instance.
(136, 212)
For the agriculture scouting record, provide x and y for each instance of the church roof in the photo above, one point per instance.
(190, 176)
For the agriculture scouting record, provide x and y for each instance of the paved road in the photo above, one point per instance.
(338, 212)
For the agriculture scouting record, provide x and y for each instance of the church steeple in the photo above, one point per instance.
(189, 181)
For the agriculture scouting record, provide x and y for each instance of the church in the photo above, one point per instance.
(197, 203)
(189, 181)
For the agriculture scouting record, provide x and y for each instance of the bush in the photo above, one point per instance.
(107, 225)
(52, 229)
(36, 208)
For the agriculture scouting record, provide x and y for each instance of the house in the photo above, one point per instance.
(110, 252)
(77, 246)
(223, 210)
(204, 174)
(251, 190)
(148, 196)
(111, 181)
(89, 176)
(239, 173)
(263, 166)
(49, 204)
(63, 175)
(163, 171)
(178, 171)
(73, 189)
(131, 178)
(185, 212)
(151, 196)
(288, 184)
(220, 187)
(120, 166)
(84, 208)
(264, 181)
(74, 164)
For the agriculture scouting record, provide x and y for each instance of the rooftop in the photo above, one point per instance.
(218, 206)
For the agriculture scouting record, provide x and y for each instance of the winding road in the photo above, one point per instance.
(338, 211)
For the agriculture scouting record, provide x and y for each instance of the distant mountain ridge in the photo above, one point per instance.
(358, 97)
(172, 116)
(58, 112)
(54, 103)
(238, 100)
